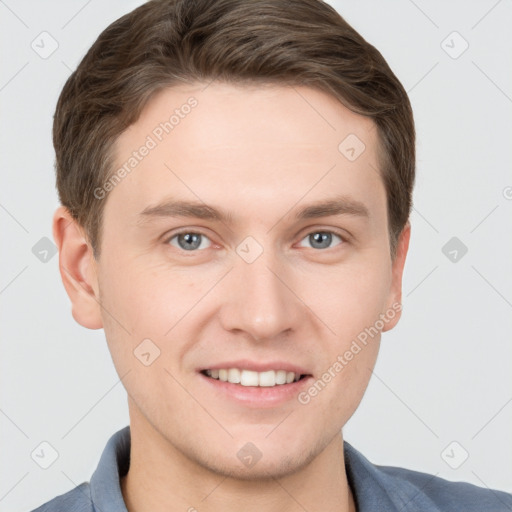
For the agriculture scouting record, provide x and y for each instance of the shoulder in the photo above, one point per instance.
(414, 491)
(75, 500)
(437, 493)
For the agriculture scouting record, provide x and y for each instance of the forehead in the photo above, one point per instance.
(236, 145)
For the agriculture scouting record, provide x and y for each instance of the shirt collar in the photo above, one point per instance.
(372, 489)
(106, 480)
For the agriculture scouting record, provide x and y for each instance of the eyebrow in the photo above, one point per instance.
(340, 205)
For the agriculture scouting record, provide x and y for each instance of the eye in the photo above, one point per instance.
(189, 241)
(320, 239)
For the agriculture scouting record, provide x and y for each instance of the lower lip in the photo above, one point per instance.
(256, 396)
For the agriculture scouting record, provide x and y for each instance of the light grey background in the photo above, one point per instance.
(443, 375)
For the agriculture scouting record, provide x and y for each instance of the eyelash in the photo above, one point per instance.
(343, 239)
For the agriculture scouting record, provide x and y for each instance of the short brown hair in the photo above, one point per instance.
(167, 42)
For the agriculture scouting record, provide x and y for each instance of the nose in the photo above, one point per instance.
(260, 300)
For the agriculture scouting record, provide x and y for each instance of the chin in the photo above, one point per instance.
(262, 470)
(259, 461)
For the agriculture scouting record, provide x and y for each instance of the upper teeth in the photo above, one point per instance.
(251, 378)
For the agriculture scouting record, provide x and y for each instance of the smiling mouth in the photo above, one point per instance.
(268, 378)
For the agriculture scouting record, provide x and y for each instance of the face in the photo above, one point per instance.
(245, 238)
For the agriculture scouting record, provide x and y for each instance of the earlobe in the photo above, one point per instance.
(77, 269)
(395, 294)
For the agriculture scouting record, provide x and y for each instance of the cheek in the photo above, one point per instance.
(349, 298)
(349, 301)
(353, 380)
(148, 298)
(339, 388)
(135, 307)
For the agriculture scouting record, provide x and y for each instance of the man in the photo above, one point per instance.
(236, 182)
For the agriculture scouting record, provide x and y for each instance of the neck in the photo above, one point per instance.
(163, 479)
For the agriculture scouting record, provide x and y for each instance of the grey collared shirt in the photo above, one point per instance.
(375, 488)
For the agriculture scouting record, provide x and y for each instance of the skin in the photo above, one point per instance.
(261, 154)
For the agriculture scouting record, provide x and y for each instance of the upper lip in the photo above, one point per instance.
(245, 364)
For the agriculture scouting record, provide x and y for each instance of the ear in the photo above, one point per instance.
(395, 291)
(77, 268)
